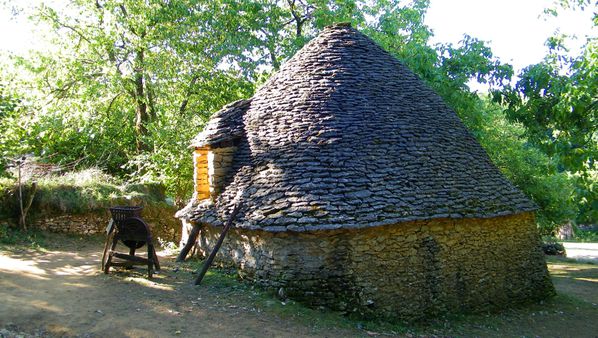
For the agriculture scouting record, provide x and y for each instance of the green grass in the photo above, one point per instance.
(226, 281)
(14, 236)
(75, 193)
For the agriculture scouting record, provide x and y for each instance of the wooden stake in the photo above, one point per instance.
(22, 219)
(208, 262)
(190, 242)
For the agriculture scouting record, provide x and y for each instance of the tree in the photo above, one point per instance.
(130, 82)
(11, 127)
(556, 101)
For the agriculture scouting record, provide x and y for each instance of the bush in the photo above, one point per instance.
(553, 248)
(529, 169)
(11, 235)
(76, 193)
(586, 233)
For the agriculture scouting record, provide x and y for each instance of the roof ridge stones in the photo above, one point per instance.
(346, 136)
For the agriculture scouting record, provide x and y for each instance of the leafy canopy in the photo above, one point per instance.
(129, 83)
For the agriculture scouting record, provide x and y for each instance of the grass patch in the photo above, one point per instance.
(80, 192)
(14, 236)
(227, 282)
(552, 260)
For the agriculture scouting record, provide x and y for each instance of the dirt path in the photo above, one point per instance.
(62, 293)
(582, 251)
(59, 291)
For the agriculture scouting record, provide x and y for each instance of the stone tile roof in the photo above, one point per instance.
(345, 136)
(224, 126)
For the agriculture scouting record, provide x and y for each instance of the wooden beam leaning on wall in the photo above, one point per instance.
(190, 242)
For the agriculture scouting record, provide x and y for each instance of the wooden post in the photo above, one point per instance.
(190, 242)
(208, 262)
(22, 218)
(30, 198)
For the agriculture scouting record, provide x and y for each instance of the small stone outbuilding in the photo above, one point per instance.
(362, 191)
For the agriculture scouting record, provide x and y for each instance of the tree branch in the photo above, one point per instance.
(188, 94)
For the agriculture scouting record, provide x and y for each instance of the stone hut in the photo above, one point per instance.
(362, 191)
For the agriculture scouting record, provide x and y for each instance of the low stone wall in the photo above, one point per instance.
(161, 220)
(74, 224)
(409, 270)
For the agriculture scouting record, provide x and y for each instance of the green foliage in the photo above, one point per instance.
(11, 128)
(75, 193)
(560, 112)
(130, 82)
(12, 235)
(584, 234)
(527, 167)
(556, 101)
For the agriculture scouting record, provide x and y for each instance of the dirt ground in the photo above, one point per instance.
(582, 251)
(59, 291)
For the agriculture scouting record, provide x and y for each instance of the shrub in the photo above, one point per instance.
(553, 248)
(75, 193)
(586, 233)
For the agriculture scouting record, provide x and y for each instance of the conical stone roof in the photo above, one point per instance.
(345, 136)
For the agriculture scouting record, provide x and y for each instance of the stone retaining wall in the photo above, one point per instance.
(74, 224)
(161, 220)
(409, 270)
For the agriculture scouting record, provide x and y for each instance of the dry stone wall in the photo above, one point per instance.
(409, 270)
(161, 220)
(219, 162)
(74, 224)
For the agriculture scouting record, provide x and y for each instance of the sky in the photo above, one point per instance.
(514, 29)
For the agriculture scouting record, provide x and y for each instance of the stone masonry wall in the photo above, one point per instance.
(200, 173)
(219, 161)
(74, 224)
(409, 270)
(162, 223)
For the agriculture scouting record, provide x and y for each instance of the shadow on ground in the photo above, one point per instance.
(61, 292)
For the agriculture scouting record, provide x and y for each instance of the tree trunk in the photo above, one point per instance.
(141, 114)
(188, 94)
(275, 62)
(150, 100)
(22, 218)
(297, 17)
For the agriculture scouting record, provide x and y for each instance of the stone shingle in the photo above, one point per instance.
(226, 125)
(346, 136)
